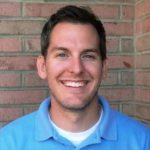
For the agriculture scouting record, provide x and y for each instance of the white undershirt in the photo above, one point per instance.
(76, 137)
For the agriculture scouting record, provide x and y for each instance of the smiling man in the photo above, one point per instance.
(73, 61)
(74, 69)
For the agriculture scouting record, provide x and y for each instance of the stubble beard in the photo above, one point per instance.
(78, 108)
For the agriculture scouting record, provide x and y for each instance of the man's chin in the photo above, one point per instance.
(76, 107)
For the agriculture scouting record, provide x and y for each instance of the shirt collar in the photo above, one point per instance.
(108, 126)
(44, 130)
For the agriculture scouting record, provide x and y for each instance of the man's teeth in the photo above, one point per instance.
(74, 84)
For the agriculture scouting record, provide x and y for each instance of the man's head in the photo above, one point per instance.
(73, 14)
(73, 58)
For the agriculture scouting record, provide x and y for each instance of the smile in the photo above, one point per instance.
(74, 84)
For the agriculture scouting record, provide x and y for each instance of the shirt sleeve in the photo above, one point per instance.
(6, 142)
(147, 145)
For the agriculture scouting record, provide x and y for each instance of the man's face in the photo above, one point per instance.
(73, 65)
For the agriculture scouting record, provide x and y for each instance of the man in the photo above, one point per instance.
(73, 61)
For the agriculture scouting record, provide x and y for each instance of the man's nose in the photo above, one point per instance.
(76, 66)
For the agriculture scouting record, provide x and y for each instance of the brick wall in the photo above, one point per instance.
(21, 90)
(142, 60)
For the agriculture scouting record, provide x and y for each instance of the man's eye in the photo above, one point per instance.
(89, 57)
(61, 55)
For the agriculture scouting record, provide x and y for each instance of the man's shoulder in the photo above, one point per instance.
(131, 125)
(125, 124)
(19, 125)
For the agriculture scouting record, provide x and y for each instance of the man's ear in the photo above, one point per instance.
(41, 67)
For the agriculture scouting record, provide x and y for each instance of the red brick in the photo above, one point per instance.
(142, 111)
(20, 27)
(137, 110)
(142, 8)
(9, 80)
(142, 61)
(142, 78)
(18, 63)
(32, 79)
(146, 25)
(117, 94)
(143, 43)
(138, 27)
(22, 97)
(128, 108)
(110, 79)
(139, 9)
(10, 9)
(45, 10)
(128, 12)
(122, 1)
(127, 78)
(119, 28)
(100, 10)
(32, 44)
(120, 62)
(127, 45)
(112, 45)
(30, 109)
(40, 9)
(115, 106)
(10, 45)
(7, 114)
(142, 94)
(146, 7)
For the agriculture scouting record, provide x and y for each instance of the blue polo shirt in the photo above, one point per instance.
(115, 132)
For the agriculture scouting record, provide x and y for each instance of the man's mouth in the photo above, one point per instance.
(74, 84)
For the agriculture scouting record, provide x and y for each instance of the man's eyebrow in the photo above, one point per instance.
(60, 48)
(93, 50)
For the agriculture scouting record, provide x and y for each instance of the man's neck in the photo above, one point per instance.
(77, 137)
(76, 121)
